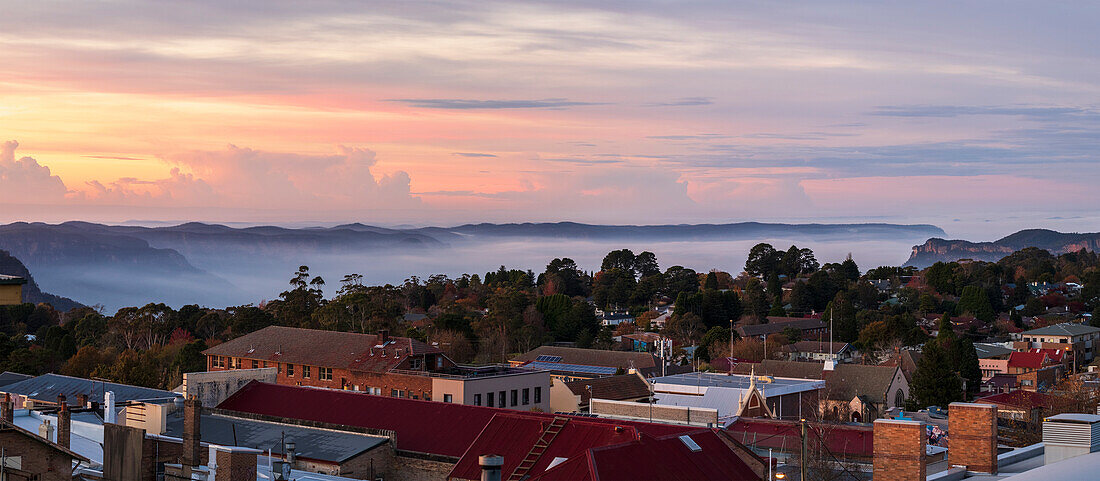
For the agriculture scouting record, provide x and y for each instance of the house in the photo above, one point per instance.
(380, 365)
(571, 363)
(1077, 340)
(809, 328)
(616, 318)
(566, 448)
(574, 396)
(819, 351)
(786, 398)
(11, 290)
(1025, 410)
(640, 341)
(28, 456)
(852, 392)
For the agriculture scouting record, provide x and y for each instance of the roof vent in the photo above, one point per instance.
(251, 349)
(1070, 435)
(690, 443)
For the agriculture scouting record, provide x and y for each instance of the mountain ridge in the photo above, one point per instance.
(948, 250)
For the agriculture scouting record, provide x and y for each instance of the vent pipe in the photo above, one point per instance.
(491, 466)
(290, 455)
(109, 407)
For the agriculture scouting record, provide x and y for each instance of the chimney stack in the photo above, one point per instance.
(109, 413)
(899, 450)
(491, 466)
(192, 436)
(383, 336)
(64, 421)
(82, 400)
(236, 464)
(972, 442)
(7, 411)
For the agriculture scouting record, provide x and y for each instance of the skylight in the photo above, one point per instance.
(690, 443)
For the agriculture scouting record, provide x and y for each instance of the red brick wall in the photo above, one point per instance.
(972, 436)
(900, 450)
(236, 466)
(37, 458)
(420, 386)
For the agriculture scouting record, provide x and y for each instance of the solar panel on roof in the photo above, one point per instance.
(548, 358)
(554, 366)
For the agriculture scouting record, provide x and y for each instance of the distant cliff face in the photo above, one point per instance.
(31, 292)
(942, 250)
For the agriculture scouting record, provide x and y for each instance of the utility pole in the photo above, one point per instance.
(802, 455)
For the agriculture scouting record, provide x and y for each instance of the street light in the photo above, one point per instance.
(780, 476)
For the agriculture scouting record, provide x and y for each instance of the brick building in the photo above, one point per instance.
(381, 365)
(30, 457)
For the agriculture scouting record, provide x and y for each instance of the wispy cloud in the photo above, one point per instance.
(961, 110)
(472, 154)
(582, 161)
(683, 102)
(472, 104)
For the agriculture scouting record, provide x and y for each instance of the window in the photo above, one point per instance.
(538, 394)
(255, 364)
(416, 364)
(279, 368)
(515, 397)
(447, 398)
(393, 393)
(503, 399)
(489, 400)
(400, 393)
(526, 396)
(324, 373)
(289, 370)
(427, 395)
(477, 399)
(899, 398)
(1025, 382)
(439, 362)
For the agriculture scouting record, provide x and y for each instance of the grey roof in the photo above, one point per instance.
(47, 386)
(986, 351)
(1063, 329)
(313, 443)
(8, 377)
(843, 383)
(776, 327)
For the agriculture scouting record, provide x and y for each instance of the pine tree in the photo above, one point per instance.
(935, 382)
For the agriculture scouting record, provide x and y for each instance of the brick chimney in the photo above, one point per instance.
(236, 464)
(900, 450)
(192, 436)
(64, 421)
(972, 437)
(82, 400)
(383, 336)
(7, 411)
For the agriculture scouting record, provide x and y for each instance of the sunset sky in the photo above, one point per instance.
(612, 112)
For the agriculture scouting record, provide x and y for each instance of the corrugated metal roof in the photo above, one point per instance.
(1064, 329)
(665, 458)
(341, 349)
(8, 377)
(47, 386)
(439, 428)
(312, 443)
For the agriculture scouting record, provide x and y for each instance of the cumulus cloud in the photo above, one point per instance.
(177, 189)
(255, 178)
(24, 181)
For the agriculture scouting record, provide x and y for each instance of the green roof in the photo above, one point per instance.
(11, 280)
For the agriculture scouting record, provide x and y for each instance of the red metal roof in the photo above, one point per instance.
(665, 458)
(784, 435)
(1026, 400)
(1053, 354)
(423, 426)
(1028, 360)
(513, 435)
